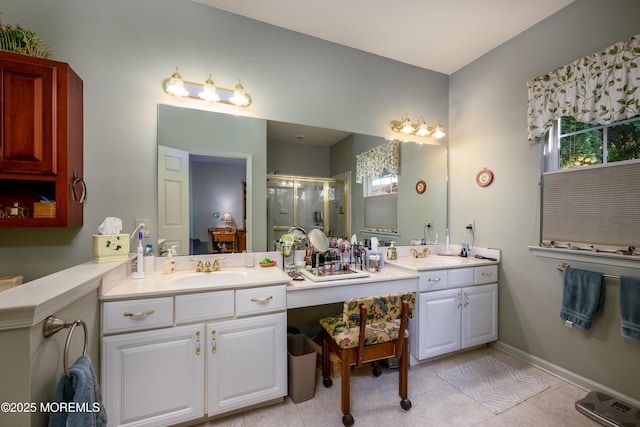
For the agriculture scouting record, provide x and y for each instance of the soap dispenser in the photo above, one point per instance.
(170, 262)
(392, 253)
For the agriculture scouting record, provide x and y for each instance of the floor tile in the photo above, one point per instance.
(435, 402)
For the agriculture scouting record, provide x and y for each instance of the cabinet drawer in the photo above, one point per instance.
(260, 300)
(120, 316)
(460, 277)
(204, 306)
(432, 280)
(486, 274)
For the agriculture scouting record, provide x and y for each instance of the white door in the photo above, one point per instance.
(439, 317)
(154, 378)
(173, 198)
(479, 315)
(246, 362)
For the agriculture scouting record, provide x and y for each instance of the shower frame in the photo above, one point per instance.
(276, 230)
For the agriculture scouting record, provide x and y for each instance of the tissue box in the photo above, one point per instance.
(110, 247)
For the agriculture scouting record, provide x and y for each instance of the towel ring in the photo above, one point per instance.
(53, 324)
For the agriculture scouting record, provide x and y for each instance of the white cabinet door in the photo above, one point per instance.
(439, 317)
(479, 315)
(154, 378)
(246, 362)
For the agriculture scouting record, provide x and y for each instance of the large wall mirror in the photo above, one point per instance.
(211, 164)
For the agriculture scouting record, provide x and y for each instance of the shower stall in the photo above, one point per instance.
(306, 202)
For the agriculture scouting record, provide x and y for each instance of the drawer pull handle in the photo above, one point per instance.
(214, 345)
(433, 279)
(262, 300)
(198, 343)
(487, 273)
(138, 315)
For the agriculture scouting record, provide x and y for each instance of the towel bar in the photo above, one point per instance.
(564, 265)
(53, 324)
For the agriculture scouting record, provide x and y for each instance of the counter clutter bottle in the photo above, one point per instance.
(392, 253)
(170, 262)
(149, 260)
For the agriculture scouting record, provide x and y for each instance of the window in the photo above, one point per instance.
(590, 193)
(384, 184)
(573, 143)
(381, 203)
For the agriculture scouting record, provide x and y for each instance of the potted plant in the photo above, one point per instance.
(14, 38)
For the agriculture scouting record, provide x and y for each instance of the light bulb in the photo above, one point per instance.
(239, 97)
(175, 86)
(209, 91)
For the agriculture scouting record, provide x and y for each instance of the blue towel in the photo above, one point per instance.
(82, 392)
(582, 296)
(630, 307)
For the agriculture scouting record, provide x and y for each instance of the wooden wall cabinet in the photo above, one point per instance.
(41, 138)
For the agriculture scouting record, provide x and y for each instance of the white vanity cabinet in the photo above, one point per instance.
(154, 378)
(463, 314)
(172, 359)
(247, 362)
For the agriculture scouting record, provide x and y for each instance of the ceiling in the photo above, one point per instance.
(438, 35)
(300, 134)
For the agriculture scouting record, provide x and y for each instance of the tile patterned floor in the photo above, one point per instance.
(375, 402)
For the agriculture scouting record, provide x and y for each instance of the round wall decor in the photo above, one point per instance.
(484, 177)
(421, 186)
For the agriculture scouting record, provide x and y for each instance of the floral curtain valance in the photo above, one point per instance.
(375, 161)
(601, 88)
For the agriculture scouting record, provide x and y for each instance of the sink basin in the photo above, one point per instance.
(211, 279)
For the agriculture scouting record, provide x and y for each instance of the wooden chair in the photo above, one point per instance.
(379, 337)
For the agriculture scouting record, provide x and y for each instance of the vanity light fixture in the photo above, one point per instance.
(405, 126)
(206, 91)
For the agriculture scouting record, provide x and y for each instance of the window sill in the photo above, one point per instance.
(629, 261)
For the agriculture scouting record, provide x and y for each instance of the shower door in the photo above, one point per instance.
(306, 202)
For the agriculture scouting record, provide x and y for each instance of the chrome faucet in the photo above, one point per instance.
(420, 254)
(206, 266)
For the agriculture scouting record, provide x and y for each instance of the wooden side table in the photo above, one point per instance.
(223, 240)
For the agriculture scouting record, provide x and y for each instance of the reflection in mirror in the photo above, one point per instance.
(274, 147)
(307, 203)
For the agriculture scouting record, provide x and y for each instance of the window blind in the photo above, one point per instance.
(597, 205)
(380, 212)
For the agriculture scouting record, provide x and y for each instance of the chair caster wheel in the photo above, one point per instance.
(377, 371)
(327, 382)
(347, 420)
(406, 404)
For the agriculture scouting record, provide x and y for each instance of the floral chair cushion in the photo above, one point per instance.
(383, 314)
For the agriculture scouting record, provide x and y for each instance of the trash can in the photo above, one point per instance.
(301, 362)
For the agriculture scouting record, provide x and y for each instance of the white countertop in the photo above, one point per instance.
(188, 281)
(436, 262)
(386, 274)
(31, 302)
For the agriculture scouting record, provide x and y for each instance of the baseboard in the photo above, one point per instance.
(562, 373)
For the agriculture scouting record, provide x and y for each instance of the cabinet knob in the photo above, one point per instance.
(141, 315)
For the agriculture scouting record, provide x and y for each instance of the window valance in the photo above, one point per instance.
(600, 88)
(373, 162)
